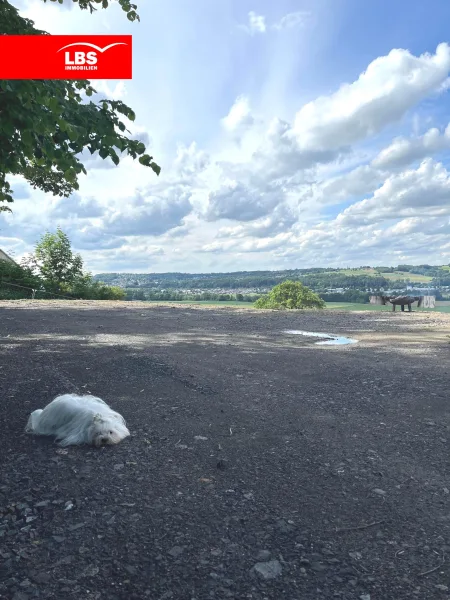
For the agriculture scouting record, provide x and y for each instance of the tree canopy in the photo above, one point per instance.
(56, 262)
(46, 124)
(290, 295)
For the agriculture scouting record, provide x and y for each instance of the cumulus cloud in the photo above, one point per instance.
(132, 256)
(265, 191)
(389, 87)
(76, 206)
(236, 201)
(281, 155)
(190, 161)
(403, 151)
(423, 225)
(360, 181)
(258, 245)
(149, 214)
(282, 219)
(240, 116)
(424, 191)
(94, 238)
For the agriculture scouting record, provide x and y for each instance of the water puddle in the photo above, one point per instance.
(328, 338)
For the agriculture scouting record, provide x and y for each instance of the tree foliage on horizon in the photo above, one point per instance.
(53, 270)
(290, 295)
(46, 124)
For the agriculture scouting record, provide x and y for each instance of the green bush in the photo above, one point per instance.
(86, 288)
(15, 281)
(290, 295)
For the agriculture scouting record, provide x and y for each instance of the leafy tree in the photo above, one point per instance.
(46, 124)
(290, 295)
(56, 262)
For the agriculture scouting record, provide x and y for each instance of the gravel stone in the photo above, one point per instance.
(264, 555)
(268, 570)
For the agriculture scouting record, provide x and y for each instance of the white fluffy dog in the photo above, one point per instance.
(75, 420)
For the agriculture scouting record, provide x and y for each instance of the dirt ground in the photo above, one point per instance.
(260, 465)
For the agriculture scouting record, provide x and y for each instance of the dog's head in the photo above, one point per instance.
(105, 431)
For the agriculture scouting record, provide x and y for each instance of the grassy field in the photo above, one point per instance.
(413, 277)
(443, 307)
(351, 306)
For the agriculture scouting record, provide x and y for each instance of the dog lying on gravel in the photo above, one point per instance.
(76, 420)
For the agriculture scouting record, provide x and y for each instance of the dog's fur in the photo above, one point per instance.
(75, 420)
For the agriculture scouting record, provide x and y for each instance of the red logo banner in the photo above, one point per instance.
(65, 57)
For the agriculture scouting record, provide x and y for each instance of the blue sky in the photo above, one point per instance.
(291, 134)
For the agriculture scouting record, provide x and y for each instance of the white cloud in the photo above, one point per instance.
(236, 201)
(389, 87)
(293, 19)
(148, 213)
(256, 23)
(240, 116)
(424, 191)
(190, 161)
(76, 206)
(403, 151)
(132, 256)
(282, 219)
(362, 180)
(116, 91)
(258, 245)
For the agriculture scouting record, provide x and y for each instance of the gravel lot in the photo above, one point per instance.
(260, 465)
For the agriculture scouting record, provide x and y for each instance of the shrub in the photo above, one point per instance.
(290, 295)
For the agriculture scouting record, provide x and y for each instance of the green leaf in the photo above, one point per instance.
(7, 127)
(53, 104)
(156, 168)
(72, 133)
(140, 148)
(27, 137)
(62, 124)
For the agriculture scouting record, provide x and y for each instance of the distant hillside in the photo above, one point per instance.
(362, 278)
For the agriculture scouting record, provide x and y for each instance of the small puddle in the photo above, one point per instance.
(328, 338)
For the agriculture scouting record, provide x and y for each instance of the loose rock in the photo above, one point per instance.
(268, 570)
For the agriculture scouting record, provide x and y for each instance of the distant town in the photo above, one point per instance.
(333, 285)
